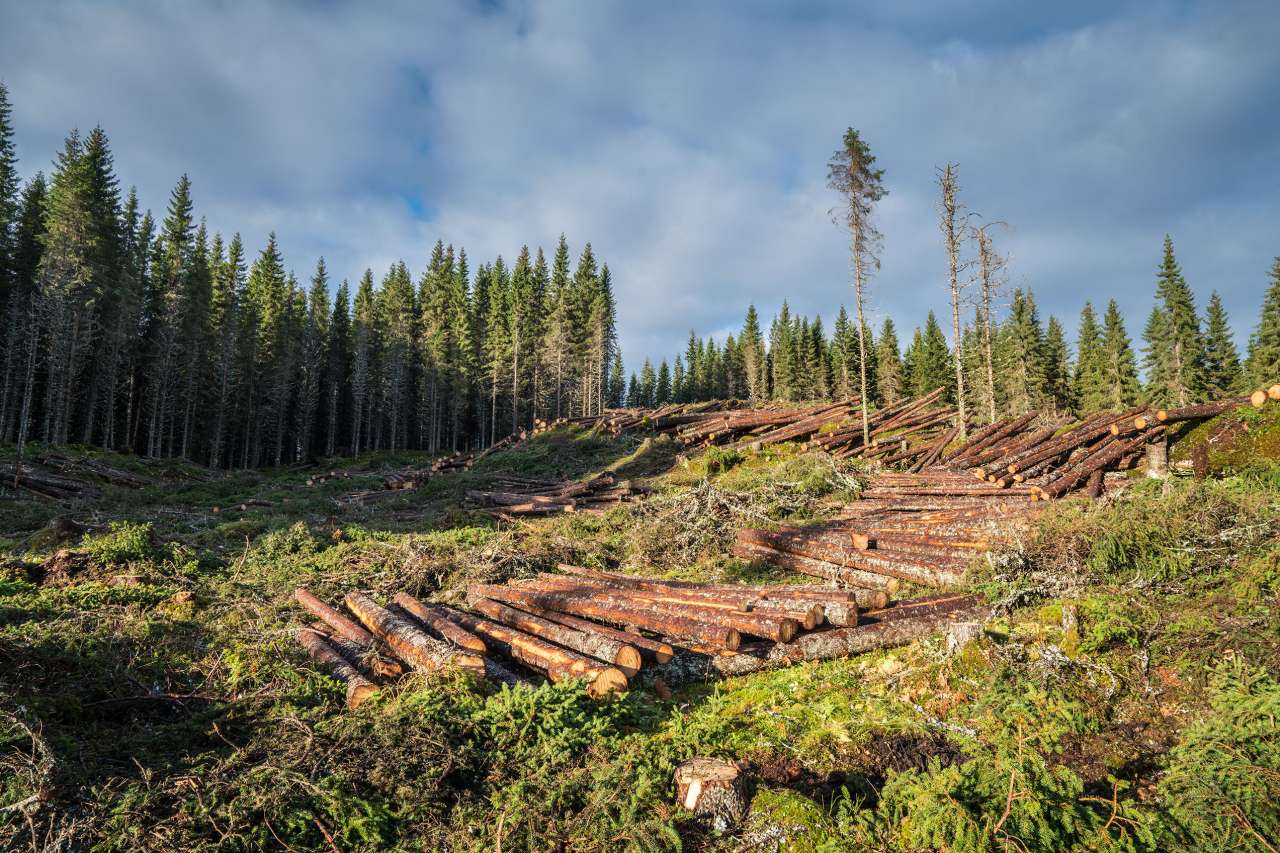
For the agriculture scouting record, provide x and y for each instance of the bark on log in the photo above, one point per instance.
(413, 646)
(440, 620)
(340, 624)
(651, 650)
(365, 658)
(816, 568)
(358, 687)
(643, 617)
(767, 625)
(558, 663)
(621, 655)
(1204, 410)
(1103, 457)
(503, 676)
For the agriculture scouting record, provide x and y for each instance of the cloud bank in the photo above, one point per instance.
(688, 142)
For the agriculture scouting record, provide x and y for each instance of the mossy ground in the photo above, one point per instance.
(151, 697)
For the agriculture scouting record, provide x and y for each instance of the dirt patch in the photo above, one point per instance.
(1129, 751)
(867, 775)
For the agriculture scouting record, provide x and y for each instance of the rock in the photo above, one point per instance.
(713, 790)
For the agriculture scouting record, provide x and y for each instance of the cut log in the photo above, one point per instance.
(558, 663)
(365, 658)
(1204, 410)
(651, 650)
(412, 645)
(647, 618)
(359, 688)
(340, 624)
(439, 619)
(621, 655)
(816, 568)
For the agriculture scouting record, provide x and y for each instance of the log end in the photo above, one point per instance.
(1274, 392)
(469, 663)
(611, 680)
(359, 693)
(664, 653)
(628, 660)
(731, 639)
(1140, 423)
(787, 630)
(1258, 398)
(1162, 415)
(861, 541)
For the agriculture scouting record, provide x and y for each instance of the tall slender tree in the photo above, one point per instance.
(852, 173)
(1263, 366)
(1222, 374)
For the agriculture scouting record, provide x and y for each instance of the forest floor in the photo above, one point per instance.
(152, 696)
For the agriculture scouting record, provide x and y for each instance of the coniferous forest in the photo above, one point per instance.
(130, 330)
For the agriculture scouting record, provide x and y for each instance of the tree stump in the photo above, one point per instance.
(1158, 459)
(713, 790)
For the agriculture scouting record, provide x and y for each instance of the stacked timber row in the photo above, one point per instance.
(923, 529)
(607, 629)
(513, 496)
(1055, 458)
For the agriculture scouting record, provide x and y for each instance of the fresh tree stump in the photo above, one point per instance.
(713, 790)
(1158, 459)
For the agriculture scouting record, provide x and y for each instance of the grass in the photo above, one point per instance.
(151, 697)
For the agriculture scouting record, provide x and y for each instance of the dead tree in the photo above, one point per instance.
(989, 266)
(950, 208)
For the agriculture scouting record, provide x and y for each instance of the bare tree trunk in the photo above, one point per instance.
(984, 250)
(855, 220)
(947, 181)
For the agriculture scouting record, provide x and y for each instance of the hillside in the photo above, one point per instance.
(152, 694)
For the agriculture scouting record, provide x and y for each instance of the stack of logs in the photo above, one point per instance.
(921, 529)
(513, 496)
(612, 630)
(926, 527)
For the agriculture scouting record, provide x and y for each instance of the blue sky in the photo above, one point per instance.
(688, 141)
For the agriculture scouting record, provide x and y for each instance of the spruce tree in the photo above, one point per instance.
(679, 381)
(891, 382)
(1088, 387)
(1021, 355)
(1222, 375)
(1057, 367)
(337, 375)
(617, 381)
(782, 354)
(844, 356)
(1120, 387)
(363, 352)
(647, 389)
(21, 314)
(1264, 344)
(662, 392)
(751, 343)
(9, 206)
(1176, 356)
(933, 366)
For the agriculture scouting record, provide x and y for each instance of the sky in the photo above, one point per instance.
(688, 142)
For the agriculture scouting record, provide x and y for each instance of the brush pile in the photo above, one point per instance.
(512, 496)
(605, 628)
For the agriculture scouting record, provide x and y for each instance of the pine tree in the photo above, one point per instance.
(844, 356)
(1057, 367)
(1222, 375)
(617, 382)
(1175, 356)
(1119, 366)
(892, 381)
(1264, 344)
(1088, 386)
(852, 173)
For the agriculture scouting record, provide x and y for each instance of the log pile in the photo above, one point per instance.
(610, 630)
(45, 484)
(925, 526)
(512, 496)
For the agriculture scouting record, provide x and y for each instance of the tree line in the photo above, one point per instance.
(991, 366)
(161, 338)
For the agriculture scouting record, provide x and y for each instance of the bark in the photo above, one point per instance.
(440, 620)
(416, 648)
(628, 614)
(650, 650)
(817, 568)
(339, 623)
(624, 657)
(557, 663)
(714, 790)
(359, 688)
